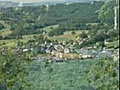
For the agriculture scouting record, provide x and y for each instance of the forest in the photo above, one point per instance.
(68, 17)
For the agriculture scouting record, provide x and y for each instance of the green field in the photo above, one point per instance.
(67, 36)
(49, 28)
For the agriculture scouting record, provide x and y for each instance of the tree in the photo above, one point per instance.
(83, 35)
(12, 70)
(73, 33)
(1, 37)
(1, 26)
(104, 75)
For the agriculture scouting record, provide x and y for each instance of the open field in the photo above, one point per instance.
(49, 28)
(6, 31)
(12, 42)
(112, 44)
(67, 36)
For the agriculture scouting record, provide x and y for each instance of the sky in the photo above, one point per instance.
(30, 0)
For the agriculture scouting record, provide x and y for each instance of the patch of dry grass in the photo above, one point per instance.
(66, 36)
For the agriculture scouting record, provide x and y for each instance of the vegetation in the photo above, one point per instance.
(73, 75)
(30, 20)
(12, 70)
(39, 28)
(1, 26)
(84, 75)
(106, 13)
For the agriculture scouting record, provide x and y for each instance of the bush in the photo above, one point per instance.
(1, 26)
(73, 32)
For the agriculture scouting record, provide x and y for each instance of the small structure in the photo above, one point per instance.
(116, 56)
(94, 53)
(106, 54)
(66, 50)
(25, 50)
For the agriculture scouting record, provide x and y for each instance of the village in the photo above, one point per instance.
(60, 51)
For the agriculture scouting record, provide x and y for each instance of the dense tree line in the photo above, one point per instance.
(95, 36)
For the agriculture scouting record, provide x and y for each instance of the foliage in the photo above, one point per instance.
(73, 32)
(104, 75)
(30, 20)
(83, 35)
(99, 37)
(106, 13)
(1, 26)
(73, 75)
(12, 70)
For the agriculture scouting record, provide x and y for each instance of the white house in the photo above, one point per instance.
(66, 50)
(25, 50)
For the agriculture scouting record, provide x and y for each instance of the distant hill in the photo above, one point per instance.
(34, 1)
(16, 3)
(68, 17)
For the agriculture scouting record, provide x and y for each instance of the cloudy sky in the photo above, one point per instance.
(30, 0)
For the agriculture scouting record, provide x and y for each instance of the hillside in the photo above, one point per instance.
(72, 75)
(68, 17)
(57, 20)
(53, 1)
(65, 46)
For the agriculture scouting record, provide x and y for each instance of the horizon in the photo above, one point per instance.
(33, 1)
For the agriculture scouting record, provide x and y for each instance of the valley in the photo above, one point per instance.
(60, 46)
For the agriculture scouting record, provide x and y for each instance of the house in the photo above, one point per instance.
(66, 50)
(106, 42)
(86, 56)
(59, 48)
(25, 50)
(84, 51)
(4, 51)
(48, 50)
(105, 54)
(94, 53)
(116, 56)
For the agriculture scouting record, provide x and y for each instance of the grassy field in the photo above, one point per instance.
(49, 28)
(13, 42)
(6, 31)
(112, 44)
(9, 43)
(66, 36)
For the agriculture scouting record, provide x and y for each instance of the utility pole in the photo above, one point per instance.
(115, 13)
(115, 17)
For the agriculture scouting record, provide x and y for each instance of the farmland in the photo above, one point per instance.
(26, 38)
